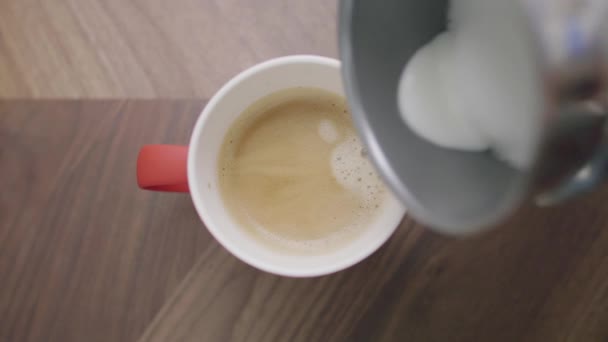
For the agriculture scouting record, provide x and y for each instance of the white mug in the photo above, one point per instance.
(194, 169)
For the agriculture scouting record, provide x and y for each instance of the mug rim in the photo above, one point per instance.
(212, 224)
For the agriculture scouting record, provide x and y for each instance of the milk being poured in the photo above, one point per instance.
(477, 87)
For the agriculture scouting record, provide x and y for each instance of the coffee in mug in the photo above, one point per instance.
(292, 171)
(276, 171)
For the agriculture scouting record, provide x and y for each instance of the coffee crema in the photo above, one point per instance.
(293, 172)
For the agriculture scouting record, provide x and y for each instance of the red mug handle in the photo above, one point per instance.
(163, 168)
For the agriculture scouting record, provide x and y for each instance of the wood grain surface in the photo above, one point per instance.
(150, 48)
(542, 276)
(86, 256)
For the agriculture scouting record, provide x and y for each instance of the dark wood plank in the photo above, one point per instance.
(84, 254)
(542, 276)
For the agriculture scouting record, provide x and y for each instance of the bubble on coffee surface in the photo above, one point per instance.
(353, 170)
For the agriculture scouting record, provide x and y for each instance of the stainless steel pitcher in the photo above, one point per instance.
(462, 192)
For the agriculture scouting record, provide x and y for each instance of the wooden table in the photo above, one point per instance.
(86, 256)
(150, 48)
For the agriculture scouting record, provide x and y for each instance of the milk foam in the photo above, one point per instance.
(355, 172)
(477, 86)
(328, 131)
